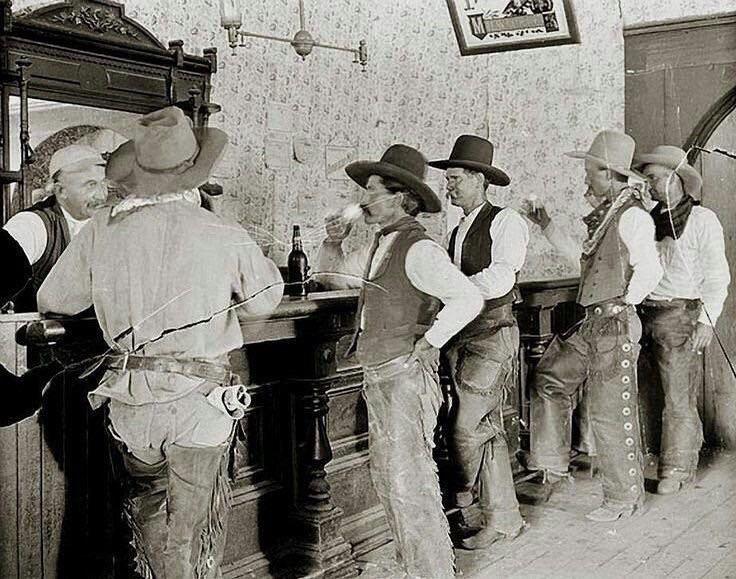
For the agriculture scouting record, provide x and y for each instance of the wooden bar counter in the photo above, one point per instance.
(303, 502)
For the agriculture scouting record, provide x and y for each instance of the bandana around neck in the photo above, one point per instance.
(672, 222)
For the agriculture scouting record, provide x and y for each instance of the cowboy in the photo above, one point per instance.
(163, 275)
(619, 268)
(489, 246)
(76, 188)
(407, 276)
(680, 314)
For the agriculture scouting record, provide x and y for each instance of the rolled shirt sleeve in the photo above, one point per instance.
(336, 270)
(563, 243)
(716, 275)
(29, 231)
(261, 284)
(636, 230)
(430, 270)
(68, 287)
(510, 236)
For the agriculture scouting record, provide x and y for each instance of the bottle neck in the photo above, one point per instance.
(296, 244)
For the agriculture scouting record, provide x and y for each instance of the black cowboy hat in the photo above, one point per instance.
(404, 164)
(476, 154)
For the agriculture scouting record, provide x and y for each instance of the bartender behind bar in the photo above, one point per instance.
(31, 243)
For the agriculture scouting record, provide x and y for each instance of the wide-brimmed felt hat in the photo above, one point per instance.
(611, 150)
(674, 158)
(166, 155)
(404, 164)
(474, 153)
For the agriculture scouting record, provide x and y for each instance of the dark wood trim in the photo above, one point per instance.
(709, 122)
(680, 24)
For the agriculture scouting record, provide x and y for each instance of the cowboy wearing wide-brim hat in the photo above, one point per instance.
(162, 274)
(619, 268)
(405, 277)
(489, 246)
(402, 164)
(167, 155)
(679, 315)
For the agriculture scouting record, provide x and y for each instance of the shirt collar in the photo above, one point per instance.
(71, 221)
(473, 214)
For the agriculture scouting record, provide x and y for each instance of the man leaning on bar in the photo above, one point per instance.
(406, 277)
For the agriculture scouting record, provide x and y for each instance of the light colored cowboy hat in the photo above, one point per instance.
(74, 158)
(476, 154)
(404, 164)
(166, 155)
(674, 158)
(611, 150)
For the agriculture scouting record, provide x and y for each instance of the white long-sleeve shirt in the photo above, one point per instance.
(29, 231)
(636, 230)
(510, 235)
(428, 268)
(695, 265)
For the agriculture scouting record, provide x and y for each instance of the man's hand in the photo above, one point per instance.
(701, 337)
(337, 227)
(426, 354)
(536, 213)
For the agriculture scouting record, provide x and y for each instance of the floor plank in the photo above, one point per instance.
(689, 535)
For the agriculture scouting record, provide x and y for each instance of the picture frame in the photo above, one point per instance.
(483, 26)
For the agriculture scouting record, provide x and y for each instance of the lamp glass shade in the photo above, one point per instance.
(230, 14)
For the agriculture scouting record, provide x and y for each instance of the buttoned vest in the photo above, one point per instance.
(395, 313)
(57, 238)
(606, 271)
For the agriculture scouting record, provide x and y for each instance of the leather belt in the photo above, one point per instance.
(186, 367)
(606, 309)
(675, 303)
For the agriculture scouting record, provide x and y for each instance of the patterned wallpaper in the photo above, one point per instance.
(638, 12)
(535, 104)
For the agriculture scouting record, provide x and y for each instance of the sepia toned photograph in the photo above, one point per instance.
(431, 289)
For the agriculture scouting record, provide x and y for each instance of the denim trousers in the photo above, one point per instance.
(600, 357)
(482, 371)
(174, 457)
(668, 327)
(403, 403)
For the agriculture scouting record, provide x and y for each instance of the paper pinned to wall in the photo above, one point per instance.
(336, 158)
(279, 117)
(278, 151)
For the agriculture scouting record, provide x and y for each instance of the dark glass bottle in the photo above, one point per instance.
(298, 266)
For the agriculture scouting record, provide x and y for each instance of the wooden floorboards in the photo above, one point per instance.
(689, 535)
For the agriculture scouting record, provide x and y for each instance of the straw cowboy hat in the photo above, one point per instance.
(404, 164)
(166, 155)
(476, 154)
(611, 150)
(674, 158)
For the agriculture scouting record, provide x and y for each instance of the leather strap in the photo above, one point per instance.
(192, 368)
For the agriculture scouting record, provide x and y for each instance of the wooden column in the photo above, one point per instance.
(317, 547)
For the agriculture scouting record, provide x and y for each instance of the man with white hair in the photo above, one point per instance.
(165, 276)
(76, 187)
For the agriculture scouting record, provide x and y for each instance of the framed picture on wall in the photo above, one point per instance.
(500, 25)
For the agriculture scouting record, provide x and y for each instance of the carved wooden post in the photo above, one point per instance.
(318, 548)
(317, 451)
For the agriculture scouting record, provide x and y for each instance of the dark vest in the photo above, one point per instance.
(476, 256)
(605, 273)
(57, 238)
(395, 313)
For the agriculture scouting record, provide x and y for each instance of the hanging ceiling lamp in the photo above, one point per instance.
(231, 18)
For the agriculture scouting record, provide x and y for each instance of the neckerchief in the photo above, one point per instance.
(132, 203)
(595, 217)
(598, 226)
(673, 221)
